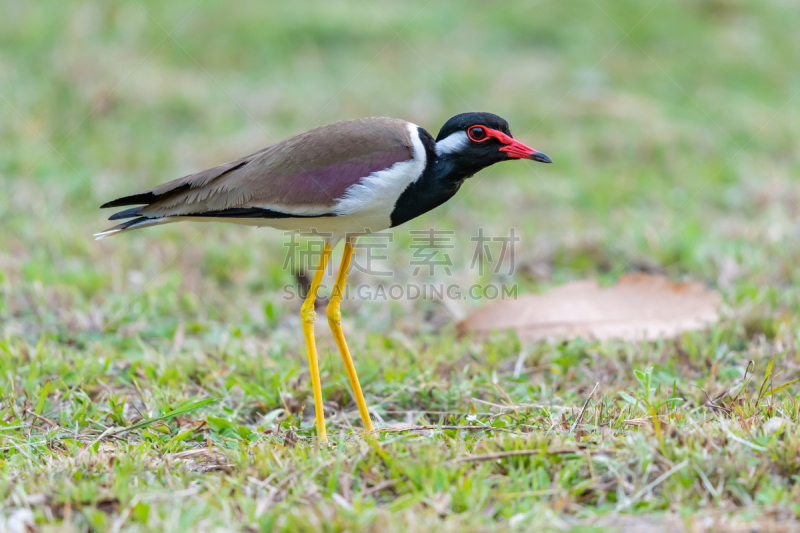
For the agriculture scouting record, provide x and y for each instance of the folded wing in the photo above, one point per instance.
(302, 176)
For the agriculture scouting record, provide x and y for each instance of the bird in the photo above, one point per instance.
(342, 181)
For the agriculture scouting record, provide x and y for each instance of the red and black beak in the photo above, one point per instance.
(515, 149)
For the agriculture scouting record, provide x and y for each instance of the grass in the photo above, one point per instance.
(157, 381)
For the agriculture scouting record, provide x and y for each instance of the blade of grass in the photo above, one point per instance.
(518, 453)
(773, 391)
(586, 403)
(656, 425)
(42, 398)
(172, 414)
(144, 423)
(766, 379)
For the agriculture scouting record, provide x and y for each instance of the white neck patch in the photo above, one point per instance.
(454, 142)
(378, 192)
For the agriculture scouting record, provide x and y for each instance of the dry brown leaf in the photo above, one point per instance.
(639, 306)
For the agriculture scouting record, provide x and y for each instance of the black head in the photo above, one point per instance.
(473, 141)
(465, 120)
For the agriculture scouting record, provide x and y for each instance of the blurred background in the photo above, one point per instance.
(673, 126)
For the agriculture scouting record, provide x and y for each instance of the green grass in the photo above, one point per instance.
(674, 127)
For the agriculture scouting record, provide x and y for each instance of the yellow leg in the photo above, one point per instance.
(335, 322)
(308, 316)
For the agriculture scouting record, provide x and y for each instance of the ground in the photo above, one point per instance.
(157, 381)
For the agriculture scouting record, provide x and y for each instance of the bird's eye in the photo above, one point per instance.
(477, 133)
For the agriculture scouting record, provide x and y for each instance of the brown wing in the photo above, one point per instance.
(303, 175)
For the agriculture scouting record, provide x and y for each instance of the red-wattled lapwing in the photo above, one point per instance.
(342, 180)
